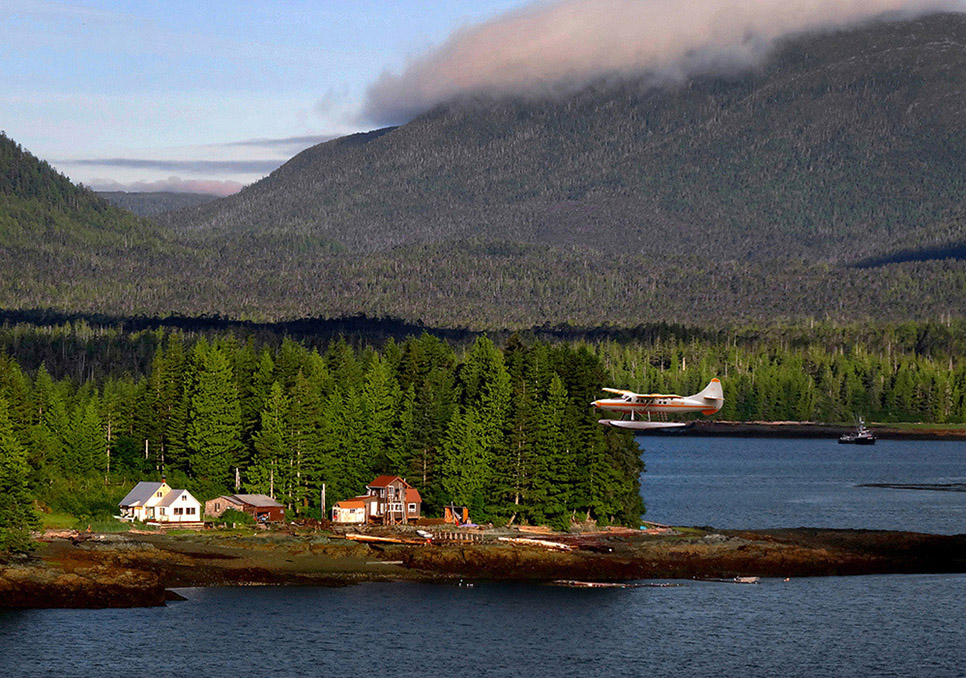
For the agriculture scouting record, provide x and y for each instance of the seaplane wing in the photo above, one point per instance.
(643, 425)
(618, 391)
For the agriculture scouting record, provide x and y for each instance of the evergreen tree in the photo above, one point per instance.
(463, 471)
(86, 441)
(554, 472)
(213, 436)
(17, 515)
(380, 400)
(269, 473)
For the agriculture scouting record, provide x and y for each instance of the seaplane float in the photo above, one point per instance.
(633, 406)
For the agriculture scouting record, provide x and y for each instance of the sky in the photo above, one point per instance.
(205, 95)
(210, 95)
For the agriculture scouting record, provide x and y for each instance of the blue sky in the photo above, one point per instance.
(180, 82)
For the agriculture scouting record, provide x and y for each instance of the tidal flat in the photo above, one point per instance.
(132, 570)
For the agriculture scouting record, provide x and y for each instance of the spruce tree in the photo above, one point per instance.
(87, 441)
(268, 472)
(17, 515)
(213, 437)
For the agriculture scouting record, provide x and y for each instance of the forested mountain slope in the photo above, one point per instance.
(146, 204)
(829, 184)
(43, 213)
(843, 146)
(62, 245)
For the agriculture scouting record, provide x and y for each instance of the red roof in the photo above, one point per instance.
(412, 495)
(355, 502)
(384, 481)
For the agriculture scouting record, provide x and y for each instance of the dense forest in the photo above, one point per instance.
(150, 204)
(506, 432)
(500, 425)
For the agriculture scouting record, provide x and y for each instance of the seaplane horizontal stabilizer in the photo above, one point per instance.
(641, 425)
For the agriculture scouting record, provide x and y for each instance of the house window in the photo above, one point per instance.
(177, 512)
(159, 493)
(161, 512)
(412, 508)
(397, 507)
(190, 510)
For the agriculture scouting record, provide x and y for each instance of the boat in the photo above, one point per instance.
(862, 435)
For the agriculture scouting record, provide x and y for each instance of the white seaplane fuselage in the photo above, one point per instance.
(637, 407)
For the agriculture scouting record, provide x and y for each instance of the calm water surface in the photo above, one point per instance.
(762, 483)
(858, 626)
(909, 625)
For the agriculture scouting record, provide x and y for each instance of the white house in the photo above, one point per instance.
(158, 503)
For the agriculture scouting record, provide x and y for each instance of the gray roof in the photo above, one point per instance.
(229, 498)
(173, 496)
(140, 494)
(260, 500)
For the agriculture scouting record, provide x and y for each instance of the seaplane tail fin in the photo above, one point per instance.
(713, 395)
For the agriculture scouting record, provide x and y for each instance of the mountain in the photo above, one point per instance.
(41, 210)
(828, 183)
(151, 204)
(842, 147)
(62, 245)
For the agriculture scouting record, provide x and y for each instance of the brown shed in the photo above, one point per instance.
(261, 507)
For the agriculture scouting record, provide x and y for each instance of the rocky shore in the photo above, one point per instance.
(137, 569)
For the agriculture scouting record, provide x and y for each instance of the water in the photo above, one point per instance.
(766, 483)
(841, 626)
(899, 625)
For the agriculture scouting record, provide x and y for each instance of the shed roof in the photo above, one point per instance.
(229, 498)
(412, 495)
(259, 500)
(141, 493)
(351, 503)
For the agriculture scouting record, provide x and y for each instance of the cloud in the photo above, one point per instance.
(193, 166)
(287, 144)
(563, 44)
(171, 184)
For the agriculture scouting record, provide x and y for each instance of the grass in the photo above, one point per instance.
(57, 521)
(66, 521)
(95, 525)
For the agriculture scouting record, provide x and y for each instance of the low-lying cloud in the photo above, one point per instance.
(562, 44)
(171, 185)
(283, 144)
(195, 166)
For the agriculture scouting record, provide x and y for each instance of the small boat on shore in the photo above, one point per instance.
(578, 584)
(862, 435)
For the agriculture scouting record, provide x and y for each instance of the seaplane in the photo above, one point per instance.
(635, 405)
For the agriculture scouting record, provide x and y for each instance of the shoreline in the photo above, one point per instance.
(120, 570)
(809, 429)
